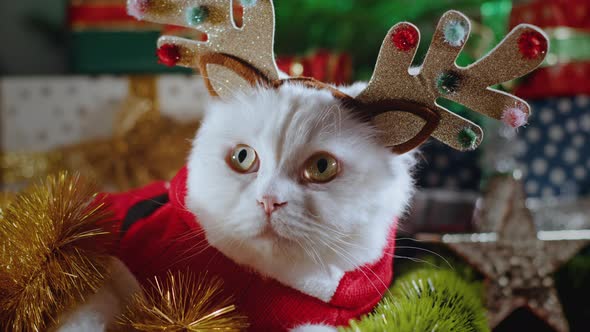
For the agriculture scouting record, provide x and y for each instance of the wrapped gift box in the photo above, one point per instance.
(123, 131)
(553, 151)
(552, 13)
(566, 79)
(443, 167)
(440, 211)
(105, 39)
(42, 113)
(566, 70)
(323, 65)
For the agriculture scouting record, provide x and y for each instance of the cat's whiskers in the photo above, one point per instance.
(351, 260)
(368, 249)
(329, 237)
(196, 232)
(303, 247)
(190, 234)
(315, 228)
(428, 251)
(312, 222)
(416, 260)
(330, 127)
(200, 246)
(332, 243)
(319, 260)
(326, 231)
(297, 235)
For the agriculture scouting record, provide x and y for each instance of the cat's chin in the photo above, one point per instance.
(267, 245)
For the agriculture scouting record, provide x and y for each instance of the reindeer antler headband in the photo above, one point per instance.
(399, 100)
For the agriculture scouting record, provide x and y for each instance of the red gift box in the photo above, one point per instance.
(322, 65)
(560, 78)
(556, 81)
(553, 13)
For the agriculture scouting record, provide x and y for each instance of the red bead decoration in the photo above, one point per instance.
(405, 38)
(168, 54)
(532, 44)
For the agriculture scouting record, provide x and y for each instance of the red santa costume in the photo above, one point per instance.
(154, 227)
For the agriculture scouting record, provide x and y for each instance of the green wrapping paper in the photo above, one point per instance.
(116, 52)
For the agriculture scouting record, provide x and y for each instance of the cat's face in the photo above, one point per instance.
(289, 175)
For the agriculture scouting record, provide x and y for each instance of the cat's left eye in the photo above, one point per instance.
(243, 159)
(322, 167)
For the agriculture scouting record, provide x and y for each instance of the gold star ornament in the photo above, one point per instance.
(516, 260)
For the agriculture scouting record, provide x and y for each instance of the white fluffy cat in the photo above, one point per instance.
(332, 227)
(267, 215)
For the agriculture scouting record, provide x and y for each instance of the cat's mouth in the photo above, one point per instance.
(268, 232)
(272, 232)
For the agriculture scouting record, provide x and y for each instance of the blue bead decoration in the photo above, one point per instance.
(455, 33)
(248, 3)
(197, 15)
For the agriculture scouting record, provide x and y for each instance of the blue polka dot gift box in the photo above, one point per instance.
(553, 150)
(442, 167)
(448, 181)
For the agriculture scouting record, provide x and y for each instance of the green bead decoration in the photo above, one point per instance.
(448, 82)
(467, 138)
(197, 15)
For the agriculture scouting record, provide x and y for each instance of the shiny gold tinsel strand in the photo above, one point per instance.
(5, 200)
(52, 252)
(182, 302)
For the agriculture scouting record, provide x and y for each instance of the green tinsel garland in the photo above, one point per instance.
(428, 299)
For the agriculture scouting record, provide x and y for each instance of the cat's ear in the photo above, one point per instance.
(225, 75)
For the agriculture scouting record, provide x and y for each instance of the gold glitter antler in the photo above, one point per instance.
(402, 102)
(396, 87)
(231, 57)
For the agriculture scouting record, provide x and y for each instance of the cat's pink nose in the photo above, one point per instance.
(270, 204)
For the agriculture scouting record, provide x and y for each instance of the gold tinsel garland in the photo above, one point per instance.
(54, 244)
(181, 302)
(53, 252)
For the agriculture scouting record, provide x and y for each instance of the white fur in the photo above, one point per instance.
(101, 309)
(314, 328)
(324, 230)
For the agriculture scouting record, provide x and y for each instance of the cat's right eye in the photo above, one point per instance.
(243, 159)
(322, 167)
